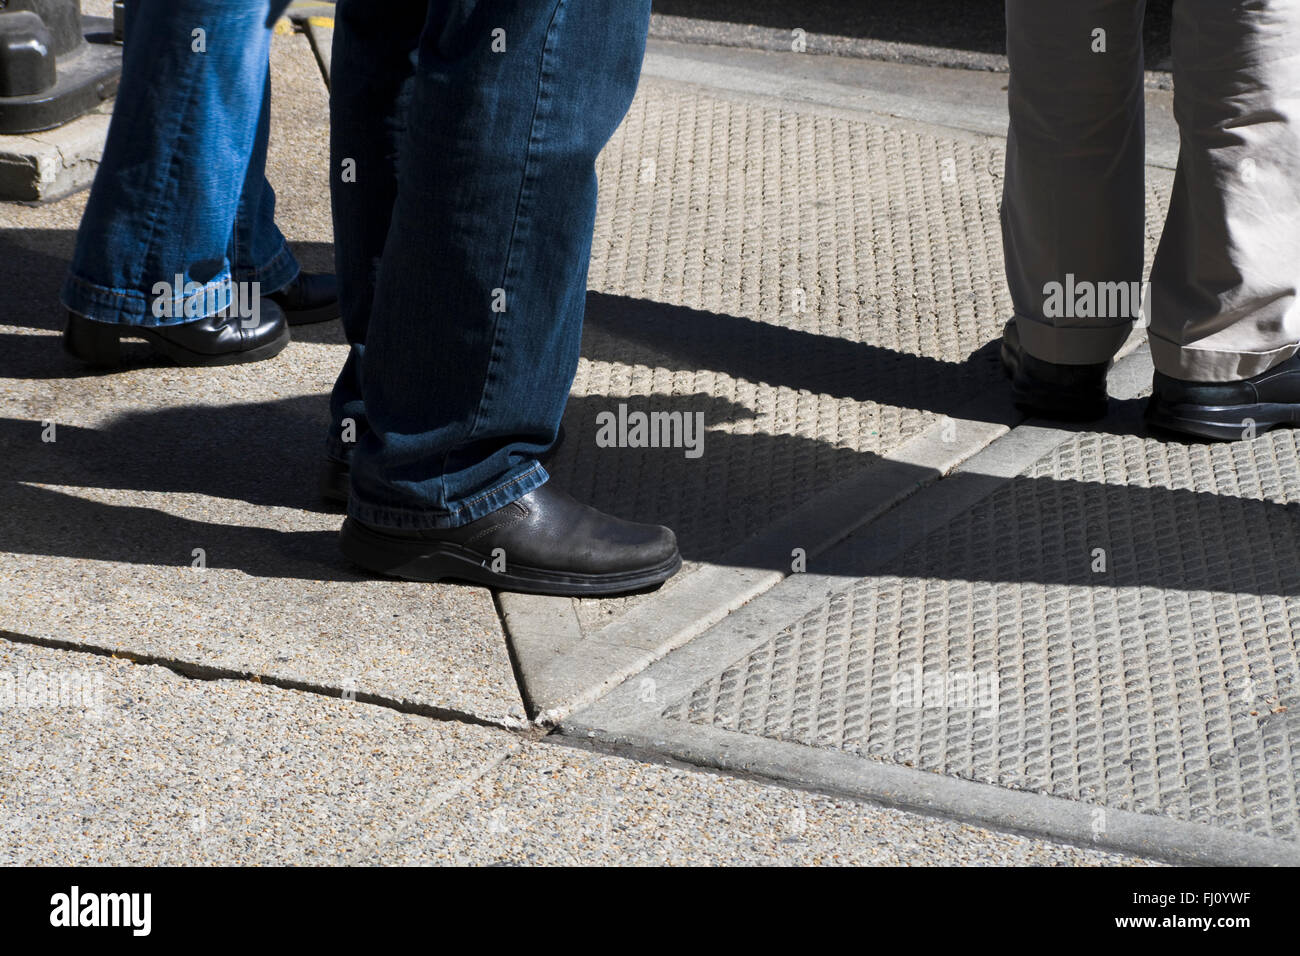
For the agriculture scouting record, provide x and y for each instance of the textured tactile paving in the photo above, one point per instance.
(1159, 684)
(816, 285)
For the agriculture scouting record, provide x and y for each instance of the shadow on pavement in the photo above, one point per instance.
(1034, 530)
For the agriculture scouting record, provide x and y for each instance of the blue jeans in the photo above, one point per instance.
(181, 189)
(464, 139)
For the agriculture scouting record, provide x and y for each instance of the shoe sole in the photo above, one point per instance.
(436, 561)
(1221, 422)
(1046, 403)
(183, 356)
(101, 348)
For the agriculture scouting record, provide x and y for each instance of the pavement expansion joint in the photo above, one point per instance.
(201, 672)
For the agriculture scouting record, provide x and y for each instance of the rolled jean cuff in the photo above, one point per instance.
(509, 490)
(1212, 365)
(136, 307)
(1071, 345)
(133, 307)
(281, 269)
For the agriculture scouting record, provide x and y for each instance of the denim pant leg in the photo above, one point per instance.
(374, 51)
(477, 317)
(168, 190)
(258, 251)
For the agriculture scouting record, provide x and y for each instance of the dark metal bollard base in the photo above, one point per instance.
(86, 78)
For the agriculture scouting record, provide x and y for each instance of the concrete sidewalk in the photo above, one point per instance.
(815, 268)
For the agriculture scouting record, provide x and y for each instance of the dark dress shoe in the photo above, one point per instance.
(544, 543)
(311, 297)
(1075, 393)
(220, 339)
(336, 473)
(1227, 411)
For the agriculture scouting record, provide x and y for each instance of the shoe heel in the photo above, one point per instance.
(95, 343)
(411, 560)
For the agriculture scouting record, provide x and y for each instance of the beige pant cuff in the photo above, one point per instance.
(1077, 345)
(1212, 365)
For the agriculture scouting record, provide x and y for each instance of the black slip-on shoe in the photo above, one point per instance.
(544, 543)
(221, 339)
(1227, 411)
(311, 297)
(1075, 393)
(336, 473)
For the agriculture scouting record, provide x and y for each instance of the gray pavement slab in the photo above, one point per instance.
(317, 22)
(155, 469)
(45, 166)
(107, 762)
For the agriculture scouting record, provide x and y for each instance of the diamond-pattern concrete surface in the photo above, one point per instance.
(820, 287)
(1117, 626)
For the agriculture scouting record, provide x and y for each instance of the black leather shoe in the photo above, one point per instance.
(1227, 411)
(336, 473)
(311, 297)
(1074, 393)
(220, 339)
(544, 543)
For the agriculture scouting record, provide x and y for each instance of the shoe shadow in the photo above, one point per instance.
(639, 332)
(44, 521)
(264, 453)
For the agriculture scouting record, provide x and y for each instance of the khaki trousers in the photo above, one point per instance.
(1222, 303)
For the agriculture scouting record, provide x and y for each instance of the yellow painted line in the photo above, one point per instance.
(283, 25)
(325, 23)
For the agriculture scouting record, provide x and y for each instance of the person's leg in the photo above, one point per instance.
(152, 250)
(1073, 202)
(374, 53)
(472, 337)
(1225, 323)
(474, 332)
(1225, 280)
(258, 251)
